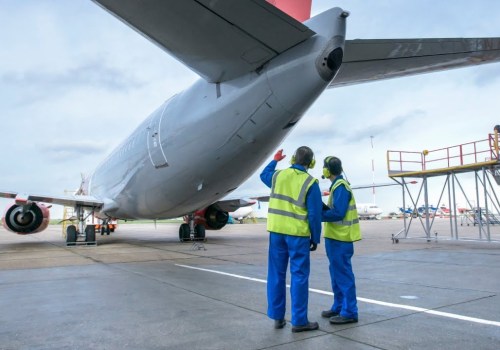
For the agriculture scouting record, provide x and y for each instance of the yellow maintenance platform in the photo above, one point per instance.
(478, 157)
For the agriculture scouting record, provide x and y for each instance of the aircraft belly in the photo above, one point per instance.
(166, 195)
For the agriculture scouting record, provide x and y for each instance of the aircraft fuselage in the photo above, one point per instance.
(202, 143)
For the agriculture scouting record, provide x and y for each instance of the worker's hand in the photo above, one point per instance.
(279, 155)
(313, 246)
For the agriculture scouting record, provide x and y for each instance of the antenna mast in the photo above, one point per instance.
(373, 171)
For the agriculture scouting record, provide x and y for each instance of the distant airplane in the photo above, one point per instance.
(420, 211)
(446, 211)
(260, 71)
(423, 210)
(406, 211)
(368, 211)
(241, 214)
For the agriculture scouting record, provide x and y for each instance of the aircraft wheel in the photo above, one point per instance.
(90, 234)
(105, 229)
(184, 234)
(199, 232)
(71, 235)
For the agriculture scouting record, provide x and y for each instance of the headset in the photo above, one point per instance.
(328, 169)
(310, 166)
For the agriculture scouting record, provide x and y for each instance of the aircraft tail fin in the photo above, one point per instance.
(298, 9)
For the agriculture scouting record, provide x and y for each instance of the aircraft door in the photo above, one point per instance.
(155, 149)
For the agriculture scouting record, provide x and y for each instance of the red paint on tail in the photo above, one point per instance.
(298, 9)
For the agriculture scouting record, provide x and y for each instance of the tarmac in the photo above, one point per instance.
(140, 288)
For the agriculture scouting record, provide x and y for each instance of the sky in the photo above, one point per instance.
(75, 81)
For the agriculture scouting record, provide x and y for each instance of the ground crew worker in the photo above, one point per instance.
(294, 225)
(341, 229)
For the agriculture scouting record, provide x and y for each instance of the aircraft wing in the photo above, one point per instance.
(70, 201)
(220, 40)
(231, 205)
(377, 59)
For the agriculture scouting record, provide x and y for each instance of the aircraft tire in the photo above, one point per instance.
(184, 234)
(105, 228)
(90, 234)
(199, 232)
(71, 235)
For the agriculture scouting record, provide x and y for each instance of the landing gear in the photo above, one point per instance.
(84, 234)
(191, 232)
(71, 235)
(90, 234)
(105, 229)
(185, 233)
(199, 233)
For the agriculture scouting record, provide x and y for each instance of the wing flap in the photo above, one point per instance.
(69, 201)
(378, 59)
(219, 40)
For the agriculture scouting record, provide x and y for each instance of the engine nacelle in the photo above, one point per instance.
(28, 219)
(211, 217)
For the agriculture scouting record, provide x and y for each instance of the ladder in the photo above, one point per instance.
(68, 219)
(495, 172)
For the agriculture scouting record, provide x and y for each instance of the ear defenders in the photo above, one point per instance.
(311, 165)
(326, 169)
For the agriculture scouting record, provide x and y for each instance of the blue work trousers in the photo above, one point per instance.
(343, 284)
(281, 249)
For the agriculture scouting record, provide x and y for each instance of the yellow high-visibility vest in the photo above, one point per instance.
(287, 212)
(346, 230)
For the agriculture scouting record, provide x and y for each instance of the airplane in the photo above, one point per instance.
(444, 210)
(368, 211)
(422, 210)
(406, 211)
(241, 214)
(193, 151)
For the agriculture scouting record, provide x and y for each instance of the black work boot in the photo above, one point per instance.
(310, 326)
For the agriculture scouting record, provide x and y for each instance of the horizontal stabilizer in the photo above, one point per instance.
(377, 59)
(220, 40)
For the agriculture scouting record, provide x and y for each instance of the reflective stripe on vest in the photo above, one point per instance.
(348, 229)
(287, 212)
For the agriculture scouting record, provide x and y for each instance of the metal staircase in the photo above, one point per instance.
(495, 172)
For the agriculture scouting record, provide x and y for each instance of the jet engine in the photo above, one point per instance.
(26, 219)
(211, 217)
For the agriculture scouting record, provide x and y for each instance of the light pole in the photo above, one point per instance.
(373, 171)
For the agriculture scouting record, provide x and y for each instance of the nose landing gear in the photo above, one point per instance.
(194, 233)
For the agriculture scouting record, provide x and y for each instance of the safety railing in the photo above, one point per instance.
(466, 154)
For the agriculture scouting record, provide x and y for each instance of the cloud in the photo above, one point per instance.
(385, 129)
(487, 76)
(68, 151)
(88, 74)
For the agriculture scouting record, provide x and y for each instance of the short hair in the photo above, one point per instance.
(334, 165)
(304, 156)
(497, 128)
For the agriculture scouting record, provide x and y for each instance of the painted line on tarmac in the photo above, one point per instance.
(370, 301)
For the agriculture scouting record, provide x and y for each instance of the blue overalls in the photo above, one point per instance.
(282, 248)
(339, 255)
